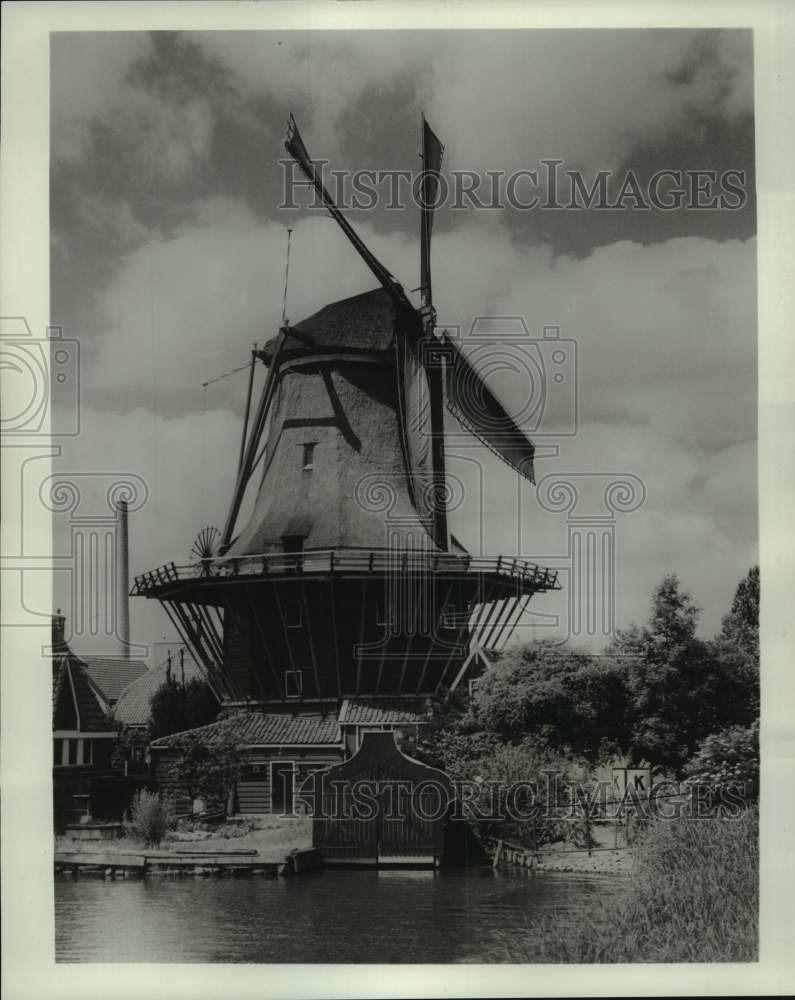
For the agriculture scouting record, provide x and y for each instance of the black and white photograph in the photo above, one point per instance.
(382, 501)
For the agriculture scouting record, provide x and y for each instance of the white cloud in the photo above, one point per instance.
(187, 463)
(666, 336)
(585, 96)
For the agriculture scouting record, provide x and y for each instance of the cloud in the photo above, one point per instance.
(665, 334)
(163, 131)
(174, 457)
(697, 519)
(582, 96)
(666, 341)
(88, 79)
(586, 96)
(183, 310)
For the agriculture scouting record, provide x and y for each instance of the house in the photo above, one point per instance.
(83, 733)
(113, 674)
(280, 750)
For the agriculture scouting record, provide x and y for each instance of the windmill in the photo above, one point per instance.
(346, 582)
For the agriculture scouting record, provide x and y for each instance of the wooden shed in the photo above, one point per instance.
(380, 808)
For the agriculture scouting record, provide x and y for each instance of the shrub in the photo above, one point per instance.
(207, 771)
(151, 815)
(728, 759)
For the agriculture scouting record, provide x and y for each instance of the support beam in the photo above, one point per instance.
(333, 589)
(476, 651)
(184, 633)
(360, 646)
(505, 605)
(315, 670)
(228, 618)
(511, 625)
(433, 639)
(279, 687)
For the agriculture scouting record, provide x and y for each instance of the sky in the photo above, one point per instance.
(168, 247)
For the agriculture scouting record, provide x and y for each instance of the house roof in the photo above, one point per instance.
(134, 705)
(260, 729)
(361, 712)
(72, 687)
(113, 674)
(362, 322)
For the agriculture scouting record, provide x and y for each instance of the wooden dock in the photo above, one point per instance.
(226, 863)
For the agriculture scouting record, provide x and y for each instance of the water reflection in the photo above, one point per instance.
(358, 916)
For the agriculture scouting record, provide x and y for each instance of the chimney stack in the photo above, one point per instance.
(58, 628)
(123, 581)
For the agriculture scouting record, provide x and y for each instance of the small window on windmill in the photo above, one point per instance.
(448, 616)
(473, 685)
(309, 456)
(293, 683)
(292, 614)
(293, 543)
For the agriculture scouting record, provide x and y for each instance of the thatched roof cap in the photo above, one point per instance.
(363, 322)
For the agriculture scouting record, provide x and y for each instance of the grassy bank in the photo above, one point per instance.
(692, 897)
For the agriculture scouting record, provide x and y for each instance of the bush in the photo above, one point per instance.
(728, 759)
(207, 771)
(694, 897)
(151, 815)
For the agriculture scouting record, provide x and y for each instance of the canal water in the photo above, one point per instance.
(365, 916)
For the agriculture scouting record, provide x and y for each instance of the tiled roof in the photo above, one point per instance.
(258, 729)
(361, 712)
(113, 674)
(69, 673)
(134, 705)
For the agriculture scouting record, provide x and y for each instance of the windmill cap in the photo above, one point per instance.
(363, 322)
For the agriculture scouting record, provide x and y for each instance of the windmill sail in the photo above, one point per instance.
(432, 152)
(296, 148)
(474, 404)
(428, 380)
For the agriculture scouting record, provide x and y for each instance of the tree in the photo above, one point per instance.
(176, 707)
(130, 748)
(737, 646)
(207, 771)
(680, 690)
(562, 698)
(741, 625)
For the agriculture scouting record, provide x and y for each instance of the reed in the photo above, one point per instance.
(693, 897)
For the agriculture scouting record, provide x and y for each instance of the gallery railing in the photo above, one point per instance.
(347, 562)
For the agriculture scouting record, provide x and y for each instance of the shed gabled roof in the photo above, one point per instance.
(113, 674)
(258, 729)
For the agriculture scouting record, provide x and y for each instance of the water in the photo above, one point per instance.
(365, 916)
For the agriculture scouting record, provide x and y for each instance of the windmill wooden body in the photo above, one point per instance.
(345, 595)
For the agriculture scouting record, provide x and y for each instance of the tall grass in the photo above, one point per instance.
(151, 815)
(693, 897)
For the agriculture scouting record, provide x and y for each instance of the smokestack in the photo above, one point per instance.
(58, 628)
(123, 578)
